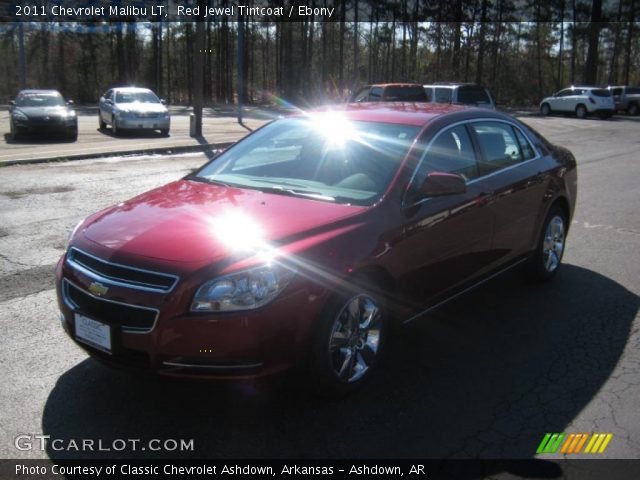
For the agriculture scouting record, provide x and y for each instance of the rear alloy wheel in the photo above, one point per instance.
(348, 345)
(548, 255)
(545, 109)
(634, 109)
(164, 132)
(581, 111)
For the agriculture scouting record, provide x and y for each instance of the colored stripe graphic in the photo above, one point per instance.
(550, 443)
(573, 443)
(598, 443)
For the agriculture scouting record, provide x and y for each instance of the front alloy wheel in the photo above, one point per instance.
(581, 111)
(347, 344)
(355, 338)
(545, 109)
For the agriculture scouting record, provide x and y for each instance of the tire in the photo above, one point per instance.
(114, 126)
(164, 132)
(547, 258)
(581, 111)
(101, 125)
(72, 135)
(347, 344)
(13, 132)
(545, 109)
(634, 110)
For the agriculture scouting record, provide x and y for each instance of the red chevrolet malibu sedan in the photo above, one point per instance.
(300, 244)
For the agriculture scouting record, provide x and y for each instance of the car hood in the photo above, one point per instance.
(142, 107)
(189, 221)
(35, 112)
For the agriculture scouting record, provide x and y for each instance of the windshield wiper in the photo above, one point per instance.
(197, 178)
(297, 193)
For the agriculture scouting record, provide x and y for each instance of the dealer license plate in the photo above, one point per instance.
(93, 333)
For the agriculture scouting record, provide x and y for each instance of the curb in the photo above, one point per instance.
(91, 156)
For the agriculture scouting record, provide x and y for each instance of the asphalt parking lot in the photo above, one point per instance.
(487, 376)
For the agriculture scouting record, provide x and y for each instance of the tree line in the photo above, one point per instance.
(306, 61)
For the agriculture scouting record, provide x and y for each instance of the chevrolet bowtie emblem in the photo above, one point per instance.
(98, 289)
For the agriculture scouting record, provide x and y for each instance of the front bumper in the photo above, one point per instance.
(250, 344)
(155, 123)
(39, 126)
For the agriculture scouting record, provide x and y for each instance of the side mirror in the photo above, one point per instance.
(108, 101)
(439, 184)
(12, 105)
(163, 101)
(70, 102)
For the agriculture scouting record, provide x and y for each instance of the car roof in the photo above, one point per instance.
(452, 84)
(40, 91)
(403, 113)
(384, 85)
(131, 89)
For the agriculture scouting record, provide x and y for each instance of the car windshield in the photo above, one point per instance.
(39, 100)
(406, 94)
(324, 156)
(131, 97)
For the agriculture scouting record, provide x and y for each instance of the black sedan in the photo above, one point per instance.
(42, 111)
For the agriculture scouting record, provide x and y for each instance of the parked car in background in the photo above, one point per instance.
(581, 100)
(389, 92)
(133, 108)
(626, 99)
(462, 93)
(300, 243)
(42, 112)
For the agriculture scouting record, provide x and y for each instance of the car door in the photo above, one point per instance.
(617, 98)
(556, 102)
(519, 181)
(573, 98)
(445, 240)
(106, 106)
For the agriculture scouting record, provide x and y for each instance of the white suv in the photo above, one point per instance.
(582, 101)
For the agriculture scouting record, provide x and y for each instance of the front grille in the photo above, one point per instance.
(120, 274)
(41, 122)
(129, 317)
(147, 115)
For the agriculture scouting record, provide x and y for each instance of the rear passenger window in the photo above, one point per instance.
(498, 144)
(527, 150)
(443, 95)
(473, 96)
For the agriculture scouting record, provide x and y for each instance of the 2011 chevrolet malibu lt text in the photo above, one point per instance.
(300, 244)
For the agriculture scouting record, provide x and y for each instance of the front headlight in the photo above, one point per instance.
(245, 290)
(125, 114)
(18, 115)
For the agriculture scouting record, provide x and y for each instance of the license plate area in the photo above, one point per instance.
(93, 333)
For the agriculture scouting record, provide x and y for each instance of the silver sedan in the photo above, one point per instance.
(132, 108)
